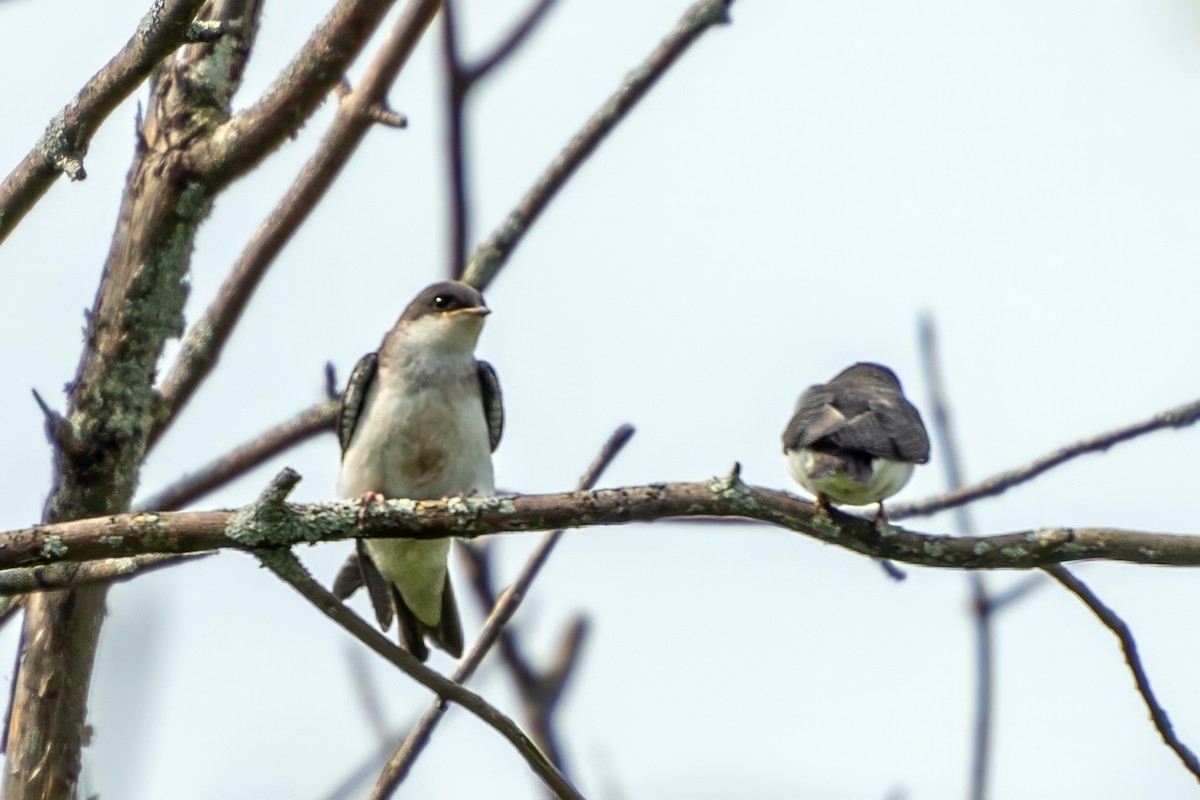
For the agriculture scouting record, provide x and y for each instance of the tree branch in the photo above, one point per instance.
(252, 527)
(202, 346)
(249, 136)
(138, 307)
(460, 79)
(1129, 646)
(308, 423)
(285, 565)
(1179, 417)
(493, 629)
(981, 606)
(493, 253)
(72, 575)
(164, 28)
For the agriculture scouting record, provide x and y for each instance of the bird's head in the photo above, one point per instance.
(447, 316)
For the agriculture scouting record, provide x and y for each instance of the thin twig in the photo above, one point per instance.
(981, 605)
(285, 564)
(313, 420)
(62, 147)
(495, 251)
(502, 611)
(1129, 646)
(460, 79)
(203, 344)
(1179, 417)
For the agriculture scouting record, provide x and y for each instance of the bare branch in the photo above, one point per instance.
(138, 307)
(1129, 646)
(116, 535)
(460, 79)
(284, 564)
(516, 37)
(202, 347)
(63, 146)
(493, 253)
(1179, 417)
(72, 575)
(308, 423)
(249, 136)
(501, 612)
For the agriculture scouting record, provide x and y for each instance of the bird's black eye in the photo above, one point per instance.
(442, 302)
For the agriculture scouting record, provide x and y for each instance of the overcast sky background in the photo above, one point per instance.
(796, 192)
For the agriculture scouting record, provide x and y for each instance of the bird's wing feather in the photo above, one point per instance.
(888, 428)
(353, 399)
(816, 417)
(493, 404)
(379, 588)
(349, 578)
(878, 427)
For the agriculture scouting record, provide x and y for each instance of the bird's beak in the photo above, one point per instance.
(474, 311)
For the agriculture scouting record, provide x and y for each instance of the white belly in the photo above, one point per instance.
(887, 478)
(422, 446)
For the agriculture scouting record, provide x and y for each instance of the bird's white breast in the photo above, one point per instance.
(423, 439)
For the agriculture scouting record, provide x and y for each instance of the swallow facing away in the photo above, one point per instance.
(419, 419)
(854, 441)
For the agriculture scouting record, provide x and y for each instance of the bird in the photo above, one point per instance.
(854, 440)
(419, 419)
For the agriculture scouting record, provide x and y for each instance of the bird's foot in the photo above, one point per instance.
(823, 506)
(365, 503)
(881, 518)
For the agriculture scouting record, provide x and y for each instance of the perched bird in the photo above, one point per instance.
(854, 440)
(419, 420)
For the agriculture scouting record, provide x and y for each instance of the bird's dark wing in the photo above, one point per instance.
(379, 588)
(816, 418)
(349, 578)
(878, 425)
(493, 404)
(354, 397)
(889, 427)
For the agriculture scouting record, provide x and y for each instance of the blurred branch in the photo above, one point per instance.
(73, 574)
(1129, 646)
(539, 691)
(285, 565)
(249, 528)
(61, 149)
(501, 612)
(1179, 417)
(494, 252)
(313, 420)
(460, 79)
(981, 606)
(357, 112)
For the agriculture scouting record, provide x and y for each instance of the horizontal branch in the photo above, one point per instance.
(272, 523)
(72, 574)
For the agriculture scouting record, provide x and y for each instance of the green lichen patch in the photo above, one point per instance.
(54, 547)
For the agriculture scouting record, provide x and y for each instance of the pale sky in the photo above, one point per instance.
(797, 191)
